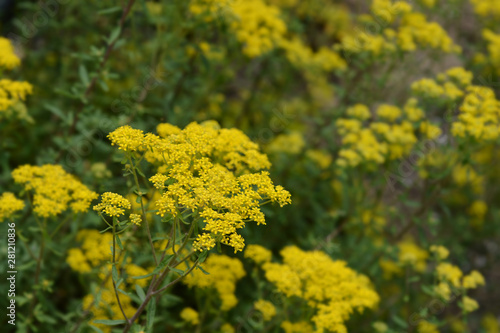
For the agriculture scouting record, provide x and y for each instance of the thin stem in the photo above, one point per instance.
(134, 173)
(114, 263)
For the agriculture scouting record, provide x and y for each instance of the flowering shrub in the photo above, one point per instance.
(250, 166)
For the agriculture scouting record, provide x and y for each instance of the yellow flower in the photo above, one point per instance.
(135, 219)
(224, 272)
(440, 251)
(380, 327)
(266, 308)
(9, 204)
(413, 255)
(8, 58)
(469, 305)
(426, 327)
(189, 315)
(53, 189)
(112, 204)
(490, 323)
(258, 254)
(449, 273)
(473, 280)
(329, 287)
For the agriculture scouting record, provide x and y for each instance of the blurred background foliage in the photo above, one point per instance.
(285, 73)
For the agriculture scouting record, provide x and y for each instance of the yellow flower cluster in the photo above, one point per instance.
(9, 204)
(224, 272)
(329, 287)
(266, 308)
(190, 315)
(486, 8)
(12, 93)
(479, 116)
(211, 171)
(53, 189)
(303, 57)
(298, 327)
(136, 219)
(257, 25)
(427, 327)
(413, 32)
(94, 251)
(112, 204)
(8, 58)
(104, 306)
(448, 86)
(450, 276)
(379, 141)
(409, 254)
(440, 251)
(258, 254)
(292, 143)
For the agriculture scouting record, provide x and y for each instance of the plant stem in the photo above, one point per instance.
(134, 172)
(113, 265)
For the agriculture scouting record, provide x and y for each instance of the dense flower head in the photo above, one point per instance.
(214, 172)
(427, 327)
(224, 273)
(112, 204)
(257, 254)
(190, 315)
(53, 189)
(9, 205)
(328, 286)
(440, 251)
(8, 59)
(266, 308)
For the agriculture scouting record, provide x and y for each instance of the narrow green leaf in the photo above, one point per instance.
(109, 10)
(140, 292)
(204, 271)
(114, 35)
(114, 273)
(84, 75)
(119, 242)
(150, 316)
(109, 322)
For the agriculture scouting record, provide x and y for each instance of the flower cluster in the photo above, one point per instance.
(412, 32)
(9, 205)
(53, 189)
(12, 93)
(328, 286)
(257, 254)
(224, 272)
(113, 205)
(211, 171)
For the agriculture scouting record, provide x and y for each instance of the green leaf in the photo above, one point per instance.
(150, 316)
(114, 34)
(84, 75)
(204, 271)
(178, 271)
(138, 199)
(140, 292)
(114, 273)
(98, 330)
(202, 256)
(399, 321)
(109, 10)
(119, 242)
(109, 322)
